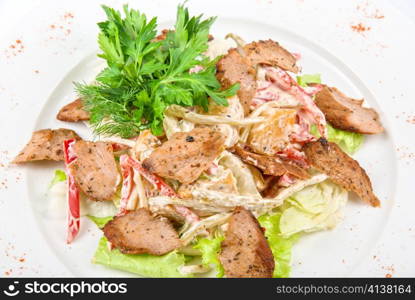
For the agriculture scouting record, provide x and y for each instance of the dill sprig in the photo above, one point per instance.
(144, 76)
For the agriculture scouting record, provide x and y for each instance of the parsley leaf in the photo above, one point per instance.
(144, 76)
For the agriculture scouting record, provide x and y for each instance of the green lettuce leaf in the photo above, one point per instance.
(281, 247)
(59, 176)
(349, 142)
(306, 79)
(142, 264)
(100, 221)
(210, 248)
(317, 207)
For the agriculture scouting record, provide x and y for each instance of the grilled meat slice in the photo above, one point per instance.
(270, 165)
(95, 170)
(140, 232)
(341, 168)
(233, 68)
(186, 154)
(346, 113)
(245, 250)
(45, 144)
(73, 112)
(270, 53)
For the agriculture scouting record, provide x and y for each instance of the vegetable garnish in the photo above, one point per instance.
(127, 184)
(59, 176)
(306, 79)
(163, 187)
(73, 193)
(210, 248)
(100, 221)
(350, 142)
(144, 76)
(156, 181)
(147, 265)
(281, 247)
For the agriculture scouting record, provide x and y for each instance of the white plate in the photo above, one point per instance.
(37, 81)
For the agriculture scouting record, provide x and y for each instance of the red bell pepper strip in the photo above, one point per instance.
(159, 183)
(164, 189)
(187, 213)
(73, 193)
(127, 184)
(288, 84)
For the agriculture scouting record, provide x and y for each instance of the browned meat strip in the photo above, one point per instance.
(270, 165)
(233, 68)
(95, 170)
(186, 154)
(270, 53)
(73, 112)
(346, 113)
(236, 68)
(341, 168)
(140, 232)
(272, 189)
(45, 144)
(162, 35)
(245, 250)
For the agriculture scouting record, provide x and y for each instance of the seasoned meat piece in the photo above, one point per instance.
(245, 250)
(341, 168)
(346, 113)
(233, 68)
(270, 53)
(162, 35)
(45, 144)
(236, 68)
(73, 112)
(140, 232)
(270, 165)
(95, 170)
(186, 154)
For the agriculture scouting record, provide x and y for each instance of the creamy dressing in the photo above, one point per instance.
(219, 47)
(269, 91)
(58, 204)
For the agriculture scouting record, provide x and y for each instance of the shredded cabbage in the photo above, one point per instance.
(223, 180)
(203, 225)
(172, 124)
(186, 114)
(245, 180)
(212, 202)
(317, 207)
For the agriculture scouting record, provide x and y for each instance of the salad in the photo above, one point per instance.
(210, 156)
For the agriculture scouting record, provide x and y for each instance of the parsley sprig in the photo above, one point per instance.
(144, 76)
